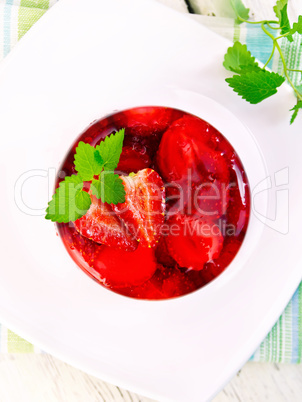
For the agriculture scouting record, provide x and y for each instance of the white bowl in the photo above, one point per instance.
(109, 56)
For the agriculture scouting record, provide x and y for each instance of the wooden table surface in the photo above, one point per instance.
(41, 377)
(36, 378)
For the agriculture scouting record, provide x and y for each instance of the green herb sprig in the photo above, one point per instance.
(93, 164)
(252, 82)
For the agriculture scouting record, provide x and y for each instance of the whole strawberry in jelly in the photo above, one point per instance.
(199, 172)
(185, 151)
(148, 121)
(119, 268)
(195, 242)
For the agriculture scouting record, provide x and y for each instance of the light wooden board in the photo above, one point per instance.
(36, 378)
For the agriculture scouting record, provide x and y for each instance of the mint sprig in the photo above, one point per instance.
(254, 83)
(93, 164)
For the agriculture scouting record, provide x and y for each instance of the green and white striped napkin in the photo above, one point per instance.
(284, 342)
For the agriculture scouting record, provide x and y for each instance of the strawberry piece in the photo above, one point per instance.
(145, 127)
(162, 253)
(193, 241)
(185, 153)
(118, 268)
(82, 250)
(150, 290)
(205, 199)
(185, 159)
(101, 225)
(110, 266)
(208, 199)
(133, 158)
(166, 283)
(176, 283)
(214, 268)
(146, 121)
(143, 210)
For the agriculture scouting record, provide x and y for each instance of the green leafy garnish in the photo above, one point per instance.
(69, 202)
(251, 81)
(93, 164)
(297, 26)
(255, 86)
(88, 162)
(281, 13)
(98, 158)
(238, 58)
(109, 188)
(296, 110)
(111, 149)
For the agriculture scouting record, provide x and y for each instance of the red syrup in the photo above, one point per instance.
(207, 203)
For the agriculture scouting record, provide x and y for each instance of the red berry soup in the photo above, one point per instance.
(185, 210)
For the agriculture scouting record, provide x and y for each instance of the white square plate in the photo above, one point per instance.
(79, 63)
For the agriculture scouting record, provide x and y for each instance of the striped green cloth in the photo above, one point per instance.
(284, 342)
(16, 17)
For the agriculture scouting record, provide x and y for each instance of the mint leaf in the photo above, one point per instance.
(254, 86)
(297, 26)
(280, 10)
(87, 162)
(82, 203)
(110, 149)
(241, 11)
(250, 68)
(296, 109)
(280, 4)
(69, 202)
(109, 188)
(238, 58)
(98, 158)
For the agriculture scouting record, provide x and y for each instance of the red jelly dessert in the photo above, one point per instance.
(185, 210)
